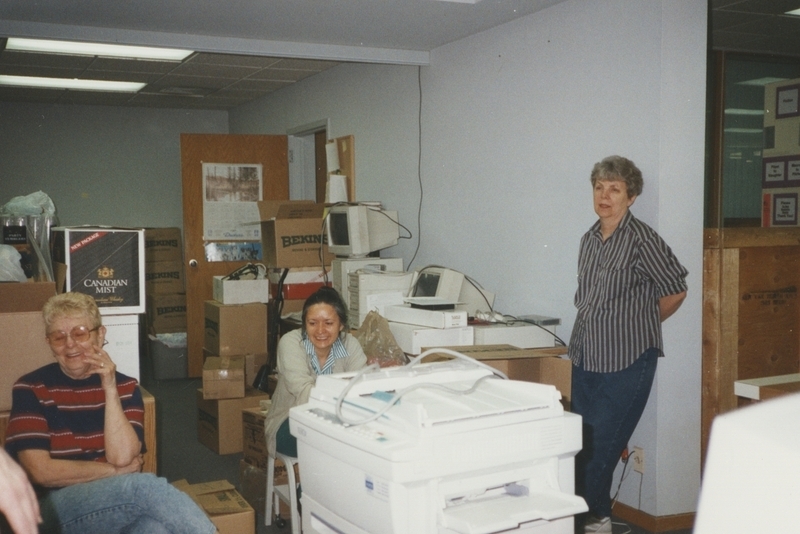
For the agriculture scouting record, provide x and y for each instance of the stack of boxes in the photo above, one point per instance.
(234, 349)
(107, 264)
(780, 181)
(166, 302)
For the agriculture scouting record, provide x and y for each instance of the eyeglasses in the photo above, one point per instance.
(79, 334)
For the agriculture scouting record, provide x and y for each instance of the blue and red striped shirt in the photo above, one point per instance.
(53, 412)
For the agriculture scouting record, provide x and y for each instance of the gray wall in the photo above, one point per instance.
(100, 165)
(512, 121)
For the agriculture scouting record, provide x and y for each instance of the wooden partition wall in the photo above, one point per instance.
(750, 311)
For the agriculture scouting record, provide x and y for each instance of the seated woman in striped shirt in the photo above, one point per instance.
(629, 281)
(76, 427)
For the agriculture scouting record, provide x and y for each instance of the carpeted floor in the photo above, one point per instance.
(181, 456)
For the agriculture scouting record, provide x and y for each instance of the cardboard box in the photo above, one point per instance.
(166, 313)
(223, 377)
(235, 329)
(254, 443)
(105, 263)
(252, 364)
(169, 356)
(240, 291)
(23, 347)
(219, 422)
(164, 277)
(541, 365)
(253, 481)
(291, 234)
(163, 244)
(412, 338)
(226, 508)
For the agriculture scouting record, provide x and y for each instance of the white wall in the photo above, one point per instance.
(512, 121)
(100, 165)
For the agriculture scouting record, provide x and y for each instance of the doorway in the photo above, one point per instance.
(307, 165)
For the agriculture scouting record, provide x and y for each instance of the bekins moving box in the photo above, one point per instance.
(223, 377)
(163, 277)
(240, 291)
(226, 508)
(22, 343)
(166, 313)
(292, 234)
(219, 422)
(162, 244)
(235, 329)
(105, 263)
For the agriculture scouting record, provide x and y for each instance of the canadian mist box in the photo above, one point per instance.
(105, 263)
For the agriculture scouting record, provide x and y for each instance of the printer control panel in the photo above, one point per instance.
(357, 430)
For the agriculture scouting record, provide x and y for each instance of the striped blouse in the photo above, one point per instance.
(53, 412)
(620, 282)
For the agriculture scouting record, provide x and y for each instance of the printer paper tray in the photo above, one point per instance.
(509, 511)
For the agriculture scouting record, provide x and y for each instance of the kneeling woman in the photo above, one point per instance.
(320, 347)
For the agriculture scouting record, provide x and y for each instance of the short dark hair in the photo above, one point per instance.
(617, 168)
(327, 295)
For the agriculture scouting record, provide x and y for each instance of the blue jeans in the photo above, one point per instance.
(130, 504)
(611, 405)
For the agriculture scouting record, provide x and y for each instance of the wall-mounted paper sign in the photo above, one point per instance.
(787, 101)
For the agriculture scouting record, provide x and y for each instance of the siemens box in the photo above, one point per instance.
(106, 263)
(292, 235)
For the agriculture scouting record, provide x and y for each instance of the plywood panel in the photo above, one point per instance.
(769, 278)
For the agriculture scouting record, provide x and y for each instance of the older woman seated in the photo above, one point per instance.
(76, 427)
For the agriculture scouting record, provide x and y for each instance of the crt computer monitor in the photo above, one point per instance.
(357, 230)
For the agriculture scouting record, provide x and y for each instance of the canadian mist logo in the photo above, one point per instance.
(105, 282)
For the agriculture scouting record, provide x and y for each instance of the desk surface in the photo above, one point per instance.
(767, 387)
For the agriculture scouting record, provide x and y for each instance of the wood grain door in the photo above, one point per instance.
(271, 151)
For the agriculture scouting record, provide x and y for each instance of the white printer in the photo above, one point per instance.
(461, 451)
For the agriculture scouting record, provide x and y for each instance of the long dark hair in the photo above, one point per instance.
(327, 295)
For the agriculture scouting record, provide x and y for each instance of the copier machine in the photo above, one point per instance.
(445, 447)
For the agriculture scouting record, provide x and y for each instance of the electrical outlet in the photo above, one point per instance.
(638, 459)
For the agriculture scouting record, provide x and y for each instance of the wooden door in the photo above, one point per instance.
(271, 151)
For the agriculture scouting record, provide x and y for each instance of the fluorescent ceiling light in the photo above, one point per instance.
(735, 111)
(794, 12)
(70, 83)
(761, 81)
(96, 49)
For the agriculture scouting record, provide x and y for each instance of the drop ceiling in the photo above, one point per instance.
(249, 48)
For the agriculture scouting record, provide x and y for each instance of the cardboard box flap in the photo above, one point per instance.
(18, 297)
(301, 211)
(217, 497)
(224, 363)
(268, 209)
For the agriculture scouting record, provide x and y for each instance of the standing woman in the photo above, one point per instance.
(320, 347)
(629, 281)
